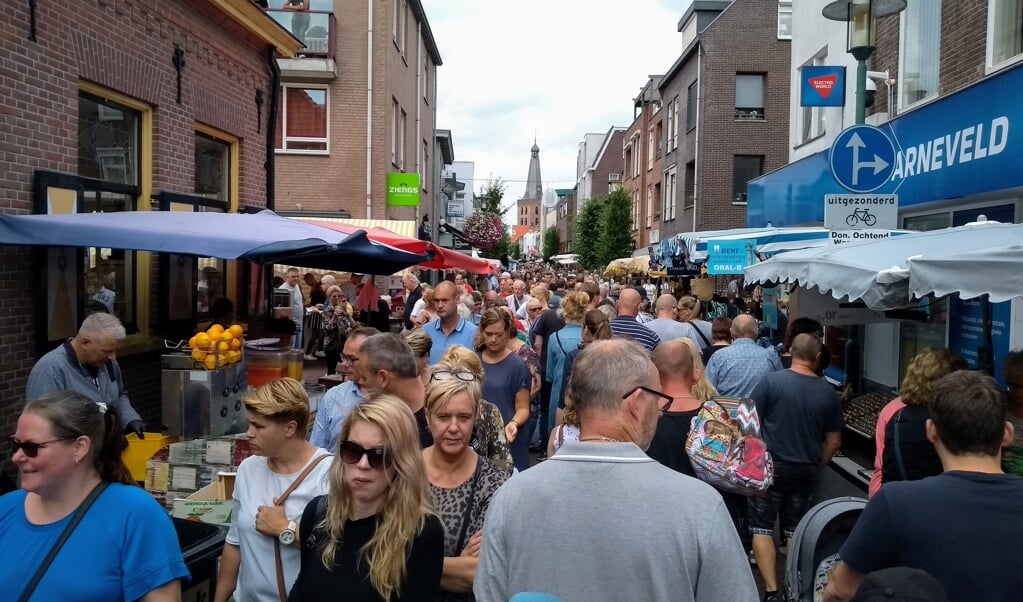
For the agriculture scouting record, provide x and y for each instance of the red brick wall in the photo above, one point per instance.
(125, 46)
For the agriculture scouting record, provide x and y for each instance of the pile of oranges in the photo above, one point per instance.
(217, 342)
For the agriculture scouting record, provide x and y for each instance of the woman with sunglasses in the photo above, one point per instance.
(488, 437)
(336, 326)
(461, 481)
(374, 536)
(68, 452)
(263, 531)
(506, 381)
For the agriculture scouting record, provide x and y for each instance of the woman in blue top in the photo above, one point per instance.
(124, 548)
(506, 380)
(559, 344)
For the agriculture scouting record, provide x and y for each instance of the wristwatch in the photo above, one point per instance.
(287, 536)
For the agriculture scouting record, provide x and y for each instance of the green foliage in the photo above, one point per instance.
(588, 230)
(616, 228)
(502, 249)
(491, 195)
(551, 242)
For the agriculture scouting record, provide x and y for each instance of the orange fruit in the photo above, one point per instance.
(210, 362)
(191, 341)
(223, 347)
(236, 330)
(198, 355)
(234, 356)
(216, 328)
(202, 340)
(226, 336)
(236, 345)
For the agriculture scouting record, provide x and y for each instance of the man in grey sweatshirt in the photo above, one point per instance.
(87, 364)
(600, 520)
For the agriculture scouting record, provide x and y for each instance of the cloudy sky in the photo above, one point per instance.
(556, 68)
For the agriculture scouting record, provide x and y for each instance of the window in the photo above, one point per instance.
(399, 23)
(302, 124)
(403, 135)
(395, 129)
(1004, 31)
(919, 52)
(651, 147)
(424, 171)
(628, 161)
(635, 209)
(692, 101)
(670, 119)
(426, 78)
(659, 137)
(784, 19)
(649, 204)
(690, 185)
(812, 118)
(636, 152)
(109, 141)
(744, 169)
(669, 203)
(749, 96)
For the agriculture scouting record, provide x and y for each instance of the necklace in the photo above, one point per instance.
(599, 438)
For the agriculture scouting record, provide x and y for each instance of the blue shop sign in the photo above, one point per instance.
(966, 332)
(729, 256)
(822, 86)
(963, 144)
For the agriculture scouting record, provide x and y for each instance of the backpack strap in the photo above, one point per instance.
(898, 447)
(558, 339)
(699, 332)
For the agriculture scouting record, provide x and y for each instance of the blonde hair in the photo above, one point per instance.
(926, 367)
(541, 293)
(462, 357)
(281, 400)
(440, 392)
(419, 341)
(701, 389)
(407, 501)
(691, 305)
(573, 305)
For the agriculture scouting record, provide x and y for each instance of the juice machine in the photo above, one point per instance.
(202, 403)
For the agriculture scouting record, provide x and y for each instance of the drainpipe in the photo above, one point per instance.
(699, 126)
(420, 159)
(369, 110)
(271, 127)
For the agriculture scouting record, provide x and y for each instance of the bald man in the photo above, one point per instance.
(625, 325)
(666, 325)
(742, 364)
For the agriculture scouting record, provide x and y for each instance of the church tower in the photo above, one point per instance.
(529, 205)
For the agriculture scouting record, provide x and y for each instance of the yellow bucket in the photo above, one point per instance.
(141, 450)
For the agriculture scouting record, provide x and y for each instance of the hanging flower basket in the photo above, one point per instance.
(483, 229)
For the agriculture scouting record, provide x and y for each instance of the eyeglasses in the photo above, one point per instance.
(31, 448)
(352, 453)
(662, 406)
(535, 309)
(449, 374)
(349, 359)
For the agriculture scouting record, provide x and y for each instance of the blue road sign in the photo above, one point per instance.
(862, 158)
(729, 256)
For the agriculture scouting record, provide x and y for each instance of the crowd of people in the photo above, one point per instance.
(530, 439)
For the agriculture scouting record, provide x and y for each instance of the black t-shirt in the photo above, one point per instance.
(795, 412)
(545, 326)
(423, 423)
(349, 577)
(669, 443)
(710, 350)
(964, 528)
(919, 458)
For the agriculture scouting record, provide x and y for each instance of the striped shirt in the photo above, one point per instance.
(627, 326)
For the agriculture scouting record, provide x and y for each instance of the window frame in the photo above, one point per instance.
(784, 7)
(903, 76)
(395, 108)
(745, 184)
(990, 66)
(403, 135)
(815, 114)
(749, 113)
(692, 105)
(284, 150)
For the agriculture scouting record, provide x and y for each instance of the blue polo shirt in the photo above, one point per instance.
(464, 334)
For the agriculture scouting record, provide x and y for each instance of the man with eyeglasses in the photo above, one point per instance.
(617, 507)
(387, 365)
(339, 401)
(449, 328)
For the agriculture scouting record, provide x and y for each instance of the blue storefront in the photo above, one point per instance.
(958, 157)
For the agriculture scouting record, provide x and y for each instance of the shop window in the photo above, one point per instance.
(744, 169)
(919, 52)
(302, 124)
(1004, 31)
(749, 96)
(214, 173)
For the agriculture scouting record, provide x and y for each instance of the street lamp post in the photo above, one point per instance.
(860, 14)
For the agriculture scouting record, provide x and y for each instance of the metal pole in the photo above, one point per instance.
(861, 91)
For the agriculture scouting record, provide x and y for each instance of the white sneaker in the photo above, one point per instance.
(310, 358)
(320, 354)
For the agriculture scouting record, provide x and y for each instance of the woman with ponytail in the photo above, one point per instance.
(120, 543)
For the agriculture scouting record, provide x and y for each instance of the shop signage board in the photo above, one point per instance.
(838, 237)
(456, 209)
(403, 190)
(829, 311)
(861, 211)
(862, 158)
(729, 256)
(822, 86)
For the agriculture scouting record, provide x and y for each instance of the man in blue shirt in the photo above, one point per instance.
(448, 329)
(735, 370)
(339, 401)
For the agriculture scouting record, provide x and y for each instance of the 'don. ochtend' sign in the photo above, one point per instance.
(403, 189)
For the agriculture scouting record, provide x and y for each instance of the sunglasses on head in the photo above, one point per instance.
(31, 448)
(352, 453)
(449, 374)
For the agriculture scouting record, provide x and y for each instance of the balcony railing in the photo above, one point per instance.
(314, 28)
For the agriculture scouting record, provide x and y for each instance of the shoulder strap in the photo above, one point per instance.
(898, 447)
(699, 332)
(466, 517)
(279, 566)
(77, 518)
(112, 370)
(558, 339)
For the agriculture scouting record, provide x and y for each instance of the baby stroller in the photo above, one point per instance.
(818, 536)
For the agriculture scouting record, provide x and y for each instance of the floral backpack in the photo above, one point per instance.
(725, 448)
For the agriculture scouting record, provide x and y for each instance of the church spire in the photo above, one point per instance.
(534, 187)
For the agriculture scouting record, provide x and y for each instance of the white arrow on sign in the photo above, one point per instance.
(856, 143)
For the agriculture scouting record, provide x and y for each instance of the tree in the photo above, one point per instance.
(492, 195)
(616, 228)
(588, 229)
(502, 249)
(551, 243)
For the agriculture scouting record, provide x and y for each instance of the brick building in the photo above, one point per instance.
(111, 106)
(728, 104)
(643, 155)
(356, 110)
(565, 211)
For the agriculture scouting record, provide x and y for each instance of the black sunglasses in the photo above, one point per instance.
(352, 453)
(31, 448)
(662, 406)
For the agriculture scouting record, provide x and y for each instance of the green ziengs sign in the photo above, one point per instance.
(403, 189)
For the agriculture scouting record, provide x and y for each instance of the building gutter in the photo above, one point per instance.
(369, 110)
(271, 128)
